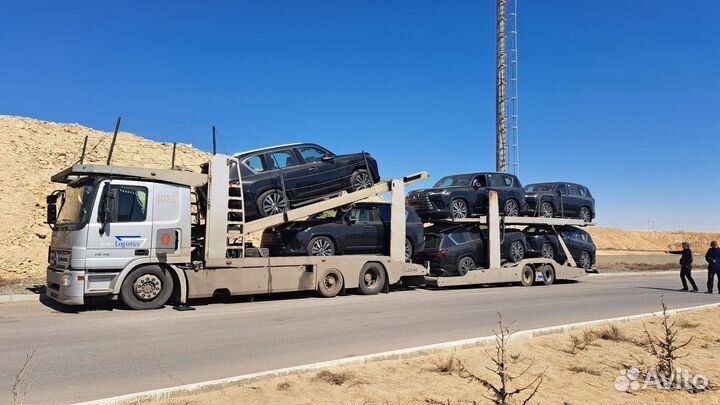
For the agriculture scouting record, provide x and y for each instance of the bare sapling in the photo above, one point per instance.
(21, 385)
(503, 391)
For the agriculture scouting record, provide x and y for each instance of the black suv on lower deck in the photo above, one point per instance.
(466, 195)
(309, 173)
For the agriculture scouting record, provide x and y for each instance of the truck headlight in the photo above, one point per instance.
(66, 280)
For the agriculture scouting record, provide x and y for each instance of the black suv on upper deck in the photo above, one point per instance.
(560, 199)
(465, 195)
(309, 173)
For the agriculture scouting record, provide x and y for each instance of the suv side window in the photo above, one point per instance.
(281, 159)
(312, 154)
(460, 236)
(574, 190)
(562, 188)
(255, 163)
(369, 214)
(507, 180)
(130, 205)
(496, 180)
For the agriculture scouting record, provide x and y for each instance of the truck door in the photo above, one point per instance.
(127, 232)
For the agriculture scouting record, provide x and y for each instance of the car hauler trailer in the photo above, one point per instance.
(148, 236)
(526, 271)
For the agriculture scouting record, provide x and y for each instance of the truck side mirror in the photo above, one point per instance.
(51, 201)
(107, 206)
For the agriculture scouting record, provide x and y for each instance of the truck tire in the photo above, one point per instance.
(372, 278)
(330, 283)
(147, 287)
(527, 276)
(548, 274)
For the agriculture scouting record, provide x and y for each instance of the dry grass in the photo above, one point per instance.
(341, 377)
(585, 377)
(445, 364)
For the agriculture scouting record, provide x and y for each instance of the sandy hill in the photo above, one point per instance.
(32, 150)
(649, 242)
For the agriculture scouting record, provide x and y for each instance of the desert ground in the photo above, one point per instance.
(591, 359)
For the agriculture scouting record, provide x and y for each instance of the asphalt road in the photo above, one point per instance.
(91, 354)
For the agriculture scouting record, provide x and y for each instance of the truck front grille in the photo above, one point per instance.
(60, 259)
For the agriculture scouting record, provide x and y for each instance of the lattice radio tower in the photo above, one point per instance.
(506, 94)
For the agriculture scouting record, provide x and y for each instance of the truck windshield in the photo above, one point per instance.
(453, 181)
(76, 205)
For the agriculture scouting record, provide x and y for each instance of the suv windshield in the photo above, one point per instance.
(76, 204)
(454, 181)
(538, 187)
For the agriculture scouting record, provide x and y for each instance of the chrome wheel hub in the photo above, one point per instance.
(362, 181)
(466, 265)
(547, 210)
(274, 203)
(517, 252)
(147, 287)
(459, 209)
(547, 252)
(511, 208)
(322, 247)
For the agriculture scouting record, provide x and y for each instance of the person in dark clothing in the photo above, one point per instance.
(712, 257)
(685, 266)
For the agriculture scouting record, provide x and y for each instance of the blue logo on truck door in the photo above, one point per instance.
(134, 241)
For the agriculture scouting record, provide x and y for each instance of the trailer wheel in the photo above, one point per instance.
(147, 287)
(548, 274)
(527, 276)
(372, 279)
(330, 283)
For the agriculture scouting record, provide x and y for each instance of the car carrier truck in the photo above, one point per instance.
(150, 236)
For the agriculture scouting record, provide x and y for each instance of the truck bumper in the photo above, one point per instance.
(65, 286)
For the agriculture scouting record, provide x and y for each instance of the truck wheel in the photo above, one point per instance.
(360, 179)
(147, 287)
(527, 276)
(372, 279)
(548, 274)
(330, 283)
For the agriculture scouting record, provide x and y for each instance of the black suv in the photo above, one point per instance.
(560, 199)
(542, 241)
(465, 195)
(455, 249)
(365, 228)
(309, 173)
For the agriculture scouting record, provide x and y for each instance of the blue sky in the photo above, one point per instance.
(621, 96)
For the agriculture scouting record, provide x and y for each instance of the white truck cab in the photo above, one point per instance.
(111, 226)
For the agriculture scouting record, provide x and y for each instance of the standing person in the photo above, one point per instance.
(685, 266)
(712, 257)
